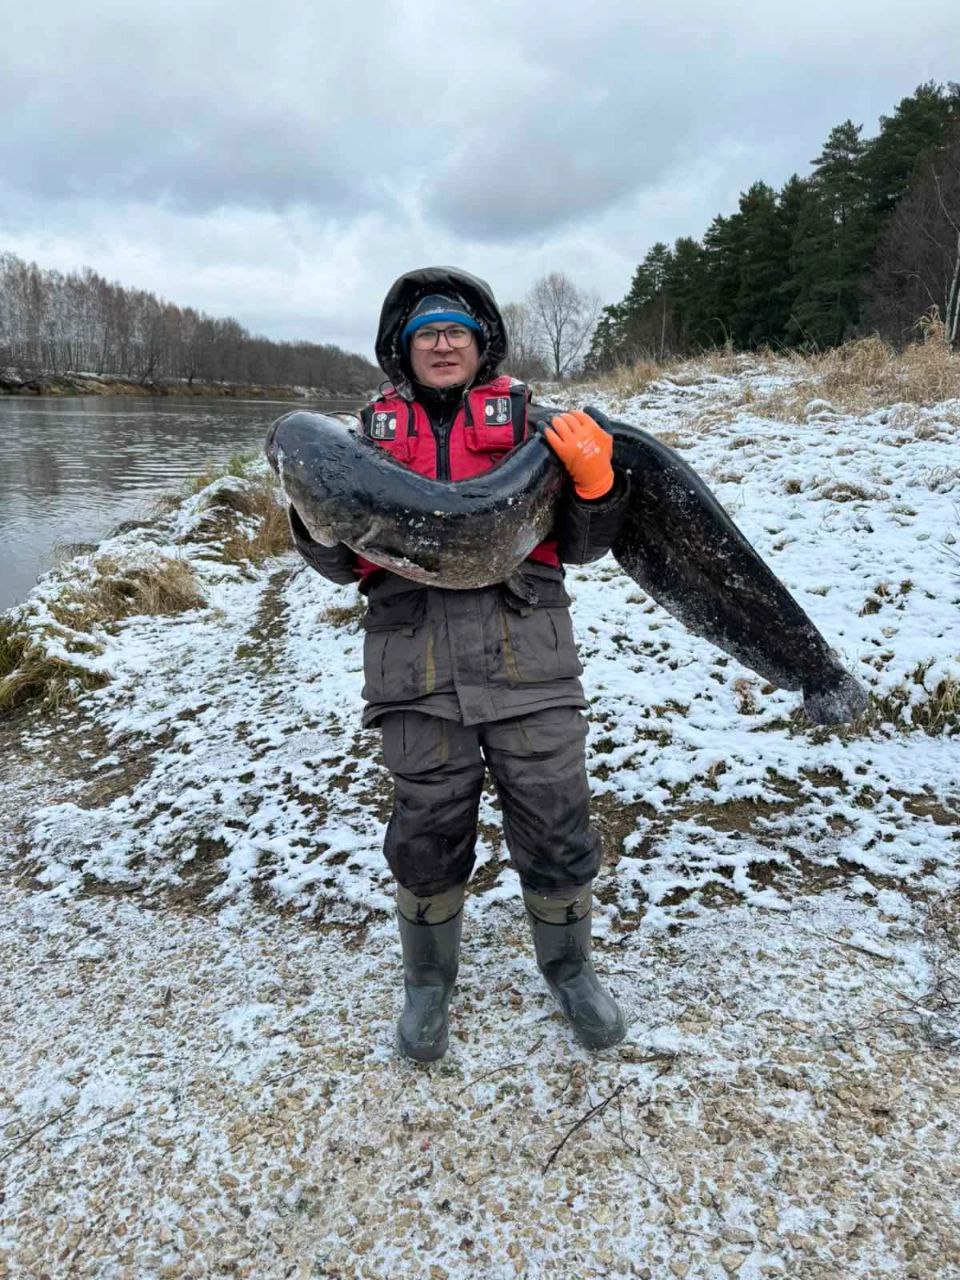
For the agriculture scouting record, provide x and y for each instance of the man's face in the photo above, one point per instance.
(443, 365)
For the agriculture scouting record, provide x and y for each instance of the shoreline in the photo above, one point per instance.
(54, 386)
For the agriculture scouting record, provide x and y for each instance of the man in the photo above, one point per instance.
(463, 680)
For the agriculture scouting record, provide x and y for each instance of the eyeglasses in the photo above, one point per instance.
(457, 335)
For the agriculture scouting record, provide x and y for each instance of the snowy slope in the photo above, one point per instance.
(195, 1083)
(249, 710)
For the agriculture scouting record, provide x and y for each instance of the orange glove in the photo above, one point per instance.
(585, 449)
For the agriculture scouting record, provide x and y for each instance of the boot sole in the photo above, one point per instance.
(419, 1053)
(604, 1042)
(607, 1041)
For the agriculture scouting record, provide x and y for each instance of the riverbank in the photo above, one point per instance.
(94, 384)
(199, 1076)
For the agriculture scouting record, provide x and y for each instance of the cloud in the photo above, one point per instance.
(616, 100)
(283, 164)
(196, 114)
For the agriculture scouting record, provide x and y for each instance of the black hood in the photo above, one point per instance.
(414, 285)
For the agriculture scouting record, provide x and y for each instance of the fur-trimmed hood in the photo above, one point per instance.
(403, 295)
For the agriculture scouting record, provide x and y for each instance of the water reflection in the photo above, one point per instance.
(71, 470)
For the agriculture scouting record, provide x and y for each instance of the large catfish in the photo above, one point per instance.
(676, 541)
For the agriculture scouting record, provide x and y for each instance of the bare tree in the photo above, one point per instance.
(917, 266)
(51, 323)
(564, 320)
(523, 348)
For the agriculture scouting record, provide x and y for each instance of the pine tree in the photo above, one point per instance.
(793, 267)
(764, 252)
(792, 203)
(641, 325)
(920, 125)
(832, 244)
(721, 252)
(605, 346)
(647, 310)
(685, 282)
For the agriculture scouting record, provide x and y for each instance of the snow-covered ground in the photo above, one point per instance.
(196, 1082)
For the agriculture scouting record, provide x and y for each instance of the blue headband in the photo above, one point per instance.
(431, 309)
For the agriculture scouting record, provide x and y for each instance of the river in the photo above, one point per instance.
(72, 469)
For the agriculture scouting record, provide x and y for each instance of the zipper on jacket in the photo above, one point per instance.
(441, 432)
(442, 426)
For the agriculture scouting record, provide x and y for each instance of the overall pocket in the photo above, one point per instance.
(397, 648)
(538, 641)
(396, 611)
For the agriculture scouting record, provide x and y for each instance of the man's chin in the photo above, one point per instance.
(446, 377)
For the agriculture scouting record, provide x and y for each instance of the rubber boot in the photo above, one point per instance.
(562, 945)
(431, 958)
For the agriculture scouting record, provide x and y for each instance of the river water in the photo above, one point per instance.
(72, 469)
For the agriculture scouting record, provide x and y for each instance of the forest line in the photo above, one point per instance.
(869, 242)
(52, 323)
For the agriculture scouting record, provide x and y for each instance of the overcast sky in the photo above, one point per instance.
(284, 162)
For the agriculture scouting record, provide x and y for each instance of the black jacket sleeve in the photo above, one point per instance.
(586, 529)
(338, 563)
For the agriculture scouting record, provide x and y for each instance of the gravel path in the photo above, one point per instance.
(189, 1094)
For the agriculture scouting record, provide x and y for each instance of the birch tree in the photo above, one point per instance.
(523, 348)
(564, 319)
(53, 323)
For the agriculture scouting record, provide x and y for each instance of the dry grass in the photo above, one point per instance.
(626, 381)
(244, 511)
(51, 682)
(848, 491)
(923, 373)
(13, 645)
(237, 465)
(724, 362)
(349, 615)
(942, 479)
(164, 504)
(629, 380)
(245, 521)
(35, 645)
(885, 593)
(117, 590)
(29, 674)
(938, 712)
(271, 534)
(869, 374)
(858, 377)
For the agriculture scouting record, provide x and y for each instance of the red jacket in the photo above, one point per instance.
(490, 421)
